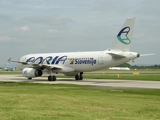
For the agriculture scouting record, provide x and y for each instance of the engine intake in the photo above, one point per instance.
(31, 72)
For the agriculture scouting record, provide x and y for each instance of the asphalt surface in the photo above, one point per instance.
(103, 83)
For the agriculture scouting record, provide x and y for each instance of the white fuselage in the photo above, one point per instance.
(78, 61)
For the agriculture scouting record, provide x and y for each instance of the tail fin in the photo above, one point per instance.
(124, 37)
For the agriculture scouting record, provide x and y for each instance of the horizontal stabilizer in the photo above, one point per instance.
(116, 53)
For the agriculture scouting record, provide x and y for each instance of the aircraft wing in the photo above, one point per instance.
(36, 65)
(16, 61)
(43, 66)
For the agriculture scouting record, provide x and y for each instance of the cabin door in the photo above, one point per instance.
(100, 58)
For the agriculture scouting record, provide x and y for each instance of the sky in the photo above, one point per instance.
(46, 26)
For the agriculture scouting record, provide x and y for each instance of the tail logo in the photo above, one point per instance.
(122, 36)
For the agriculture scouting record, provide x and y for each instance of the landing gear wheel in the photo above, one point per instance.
(54, 78)
(79, 76)
(51, 78)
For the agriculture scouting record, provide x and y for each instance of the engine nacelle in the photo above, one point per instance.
(31, 72)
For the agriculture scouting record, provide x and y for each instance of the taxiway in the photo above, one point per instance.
(93, 82)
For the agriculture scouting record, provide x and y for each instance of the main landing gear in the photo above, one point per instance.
(79, 76)
(51, 78)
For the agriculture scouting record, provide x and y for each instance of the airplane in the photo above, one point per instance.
(76, 63)
(8, 68)
(119, 68)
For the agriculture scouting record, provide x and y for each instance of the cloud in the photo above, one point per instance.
(5, 17)
(53, 31)
(48, 19)
(25, 28)
(4, 38)
(77, 24)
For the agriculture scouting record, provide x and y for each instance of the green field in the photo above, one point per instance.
(147, 75)
(29, 101)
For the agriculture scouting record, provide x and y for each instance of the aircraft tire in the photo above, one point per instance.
(54, 78)
(77, 77)
(81, 77)
(51, 78)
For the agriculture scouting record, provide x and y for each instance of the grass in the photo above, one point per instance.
(147, 75)
(150, 74)
(30, 101)
(9, 72)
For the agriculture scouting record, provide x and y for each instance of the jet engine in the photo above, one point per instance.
(31, 72)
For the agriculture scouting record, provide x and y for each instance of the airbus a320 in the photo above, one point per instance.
(76, 63)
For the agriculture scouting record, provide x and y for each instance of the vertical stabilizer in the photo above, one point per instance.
(124, 36)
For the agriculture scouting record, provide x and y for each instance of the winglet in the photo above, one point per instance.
(15, 61)
(9, 60)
